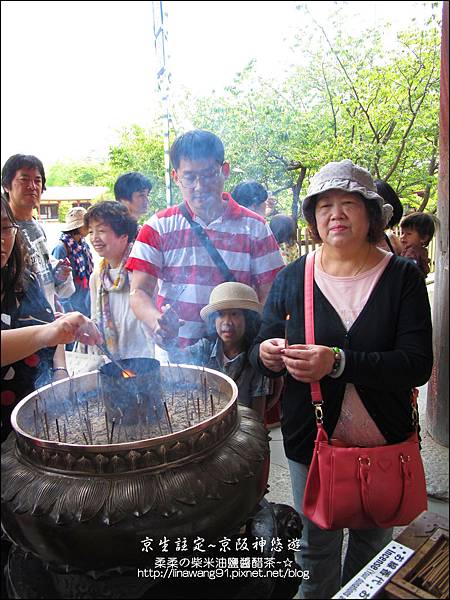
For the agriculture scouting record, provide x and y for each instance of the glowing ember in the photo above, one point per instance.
(127, 374)
(286, 343)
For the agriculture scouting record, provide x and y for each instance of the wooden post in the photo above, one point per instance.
(437, 400)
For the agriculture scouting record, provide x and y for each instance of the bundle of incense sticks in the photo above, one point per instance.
(286, 343)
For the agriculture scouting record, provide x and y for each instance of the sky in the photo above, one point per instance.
(75, 73)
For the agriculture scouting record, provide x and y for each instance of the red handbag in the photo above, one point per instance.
(355, 487)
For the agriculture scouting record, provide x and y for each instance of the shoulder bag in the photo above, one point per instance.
(355, 487)
(211, 249)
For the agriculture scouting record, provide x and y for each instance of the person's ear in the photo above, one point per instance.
(175, 176)
(226, 169)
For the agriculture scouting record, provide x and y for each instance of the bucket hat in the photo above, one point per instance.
(231, 294)
(74, 218)
(343, 175)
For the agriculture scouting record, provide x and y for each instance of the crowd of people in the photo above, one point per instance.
(215, 281)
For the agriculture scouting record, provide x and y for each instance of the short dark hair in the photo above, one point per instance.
(115, 215)
(19, 161)
(13, 273)
(283, 228)
(248, 193)
(374, 214)
(196, 145)
(423, 223)
(389, 195)
(131, 182)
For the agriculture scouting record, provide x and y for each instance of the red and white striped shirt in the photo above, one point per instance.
(167, 248)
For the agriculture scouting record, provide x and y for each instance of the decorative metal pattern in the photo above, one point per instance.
(59, 498)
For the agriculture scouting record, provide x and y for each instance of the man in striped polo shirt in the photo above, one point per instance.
(169, 256)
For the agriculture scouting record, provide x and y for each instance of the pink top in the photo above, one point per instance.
(348, 296)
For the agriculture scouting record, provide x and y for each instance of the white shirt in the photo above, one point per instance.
(132, 340)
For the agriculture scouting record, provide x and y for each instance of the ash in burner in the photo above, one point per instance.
(95, 417)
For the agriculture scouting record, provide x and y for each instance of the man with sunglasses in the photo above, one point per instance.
(169, 255)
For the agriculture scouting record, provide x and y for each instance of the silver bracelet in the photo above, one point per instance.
(60, 369)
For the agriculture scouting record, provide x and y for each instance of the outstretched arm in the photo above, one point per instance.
(20, 343)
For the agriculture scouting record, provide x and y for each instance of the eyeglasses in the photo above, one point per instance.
(9, 231)
(189, 181)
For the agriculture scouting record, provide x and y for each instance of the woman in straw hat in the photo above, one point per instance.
(372, 346)
(73, 248)
(233, 319)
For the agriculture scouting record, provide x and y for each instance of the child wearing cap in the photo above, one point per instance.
(233, 319)
(72, 247)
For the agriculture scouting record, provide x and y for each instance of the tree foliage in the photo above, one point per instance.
(141, 150)
(345, 96)
(79, 173)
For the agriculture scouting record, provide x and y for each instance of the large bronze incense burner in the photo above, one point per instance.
(89, 476)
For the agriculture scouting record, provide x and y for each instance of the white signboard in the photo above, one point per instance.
(377, 573)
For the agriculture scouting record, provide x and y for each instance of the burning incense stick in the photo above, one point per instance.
(46, 425)
(186, 406)
(107, 427)
(35, 423)
(168, 417)
(57, 430)
(205, 390)
(88, 430)
(112, 430)
(286, 343)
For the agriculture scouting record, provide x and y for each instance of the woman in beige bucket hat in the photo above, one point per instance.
(233, 319)
(372, 328)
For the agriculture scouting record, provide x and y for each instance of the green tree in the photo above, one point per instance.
(141, 150)
(79, 173)
(348, 97)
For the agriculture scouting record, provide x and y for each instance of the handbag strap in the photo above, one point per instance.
(316, 393)
(210, 248)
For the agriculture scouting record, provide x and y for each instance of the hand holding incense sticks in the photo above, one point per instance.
(286, 343)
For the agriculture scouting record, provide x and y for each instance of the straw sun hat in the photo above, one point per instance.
(74, 218)
(231, 295)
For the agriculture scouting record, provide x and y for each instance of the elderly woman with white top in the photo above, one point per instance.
(373, 344)
(112, 230)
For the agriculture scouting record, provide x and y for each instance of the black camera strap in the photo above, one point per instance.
(211, 249)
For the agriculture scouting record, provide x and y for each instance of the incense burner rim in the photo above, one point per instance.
(111, 448)
(147, 455)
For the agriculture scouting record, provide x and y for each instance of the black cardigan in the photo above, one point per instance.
(388, 351)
